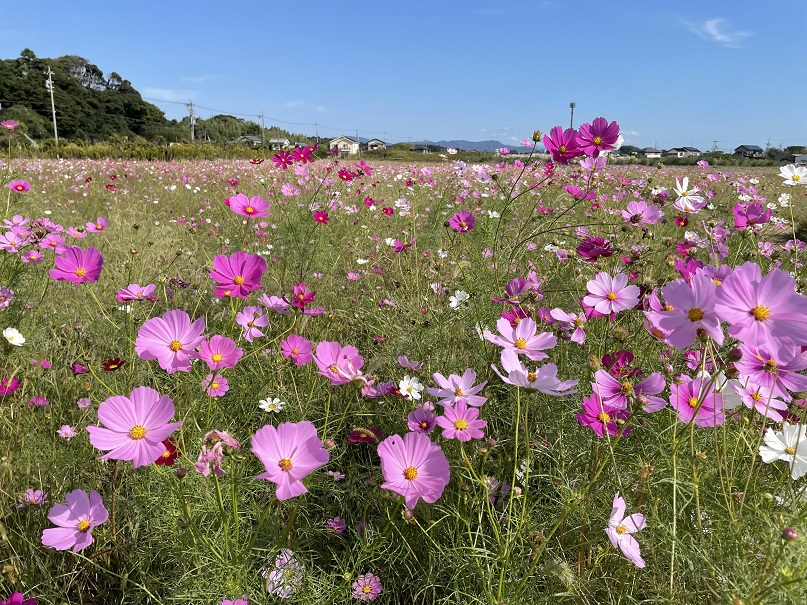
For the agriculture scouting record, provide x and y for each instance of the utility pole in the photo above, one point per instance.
(263, 131)
(316, 127)
(714, 146)
(358, 142)
(572, 105)
(192, 119)
(49, 86)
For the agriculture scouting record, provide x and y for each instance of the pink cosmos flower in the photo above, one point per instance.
(367, 587)
(255, 207)
(136, 292)
(32, 497)
(66, 432)
(543, 379)
(19, 186)
(252, 318)
(220, 352)
(620, 531)
(214, 445)
(215, 386)
(774, 369)
(571, 322)
(458, 388)
(610, 295)
(76, 520)
(53, 241)
(562, 144)
(8, 384)
(18, 598)
(762, 311)
(275, 303)
(694, 309)
(592, 248)
(620, 394)
(237, 275)
(297, 348)
(301, 296)
(601, 417)
(762, 400)
(171, 340)
(641, 214)
(8, 124)
(290, 452)
(522, 339)
(422, 420)
(461, 422)
(696, 401)
(98, 226)
(6, 296)
(78, 266)
(597, 136)
(413, 467)
(136, 426)
(462, 221)
(338, 364)
(242, 601)
(406, 364)
(283, 159)
(750, 215)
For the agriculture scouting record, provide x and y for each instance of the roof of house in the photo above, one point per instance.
(691, 149)
(352, 140)
(751, 147)
(651, 150)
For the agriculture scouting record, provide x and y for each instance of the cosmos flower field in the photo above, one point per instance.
(312, 379)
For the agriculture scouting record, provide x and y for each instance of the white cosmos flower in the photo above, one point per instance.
(13, 336)
(790, 445)
(271, 404)
(459, 297)
(793, 175)
(362, 261)
(411, 386)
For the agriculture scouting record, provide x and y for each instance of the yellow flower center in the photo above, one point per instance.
(532, 377)
(795, 177)
(603, 417)
(770, 366)
(598, 140)
(693, 402)
(562, 149)
(695, 314)
(578, 322)
(214, 386)
(175, 345)
(761, 313)
(238, 280)
(460, 424)
(367, 589)
(295, 350)
(627, 389)
(138, 432)
(424, 425)
(621, 529)
(717, 282)
(458, 392)
(520, 343)
(285, 465)
(166, 454)
(611, 296)
(756, 396)
(249, 209)
(83, 526)
(669, 308)
(463, 224)
(80, 272)
(410, 473)
(99, 226)
(684, 193)
(216, 357)
(790, 450)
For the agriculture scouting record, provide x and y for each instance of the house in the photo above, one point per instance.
(750, 151)
(346, 145)
(374, 144)
(247, 139)
(693, 152)
(800, 159)
(277, 144)
(650, 152)
(682, 152)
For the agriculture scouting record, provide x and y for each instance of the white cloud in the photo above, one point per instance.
(718, 30)
(169, 94)
(292, 104)
(197, 79)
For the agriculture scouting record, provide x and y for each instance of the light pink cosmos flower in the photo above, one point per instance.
(694, 309)
(775, 369)
(543, 379)
(610, 295)
(367, 587)
(620, 531)
(215, 386)
(688, 199)
(76, 520)
(641, 214)
(78, 266)
(285, 578)
(98, 226)
(619, 394)
(254, 207)
(136, 426)
(136, 292)
(213, 449)
(458, 388)
(571, 322)
(414, 467)
(461, 422)
(406, 364)
(238, 274)
(762, 400)
(32, 497)
(171, 340)
(290, 452)
(297, 348)
(66, 432)
(338, 364)
(275, 303)
(251, 319)
(762, 311)
(696, 401)
(522, 339)
(220, 352)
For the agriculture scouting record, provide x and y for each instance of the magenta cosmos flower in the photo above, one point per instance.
(254, 207)
(597, 136)
(171, 340)
(367, 587)
(78, 266)
(462, 221)
(458, 388)
(694, 309)
(593, 248)
(338, 364)
(461, 422)
(696, 401)
(620, 531)
(19, 186)
(610, 295)
(522, 339)
(251, 319)
(136, 426)
(619, 394)
(290, 452)
(18, 598)
(237, 275)
(76, 520)
(762, 311)
(297, 348)
(601, 417)
(220, 352)
(414, 467)
(562, 144)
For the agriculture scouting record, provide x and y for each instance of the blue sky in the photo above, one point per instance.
(681, 73)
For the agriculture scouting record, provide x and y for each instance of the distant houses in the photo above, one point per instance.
(650, 153)
(374, 145)
(278, 144)
(345, 145)
(749, 151)
(683, 152)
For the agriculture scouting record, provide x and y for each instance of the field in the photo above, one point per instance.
(522, 382)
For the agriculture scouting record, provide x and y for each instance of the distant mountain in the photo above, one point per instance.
(483, 146)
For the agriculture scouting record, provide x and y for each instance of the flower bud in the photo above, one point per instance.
(537, 136)
(491, 442)
(735, 354)
(789, 534)
(329, 444)
(181, 472)
(593, 363)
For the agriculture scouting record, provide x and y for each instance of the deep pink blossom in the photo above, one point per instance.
(461, 422)
(220, 352)
(171, 340)
(136, 426)
(255, 207)
(78, 266)
(413, 467)
(290, 452)
(237, 275)
(592, 248)
(601, 417)
(597, 136)
(562, 144)
(696, 401)
(620, 394)
(76, 520)
(750, 215)
(297, 348)
(462, 221)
